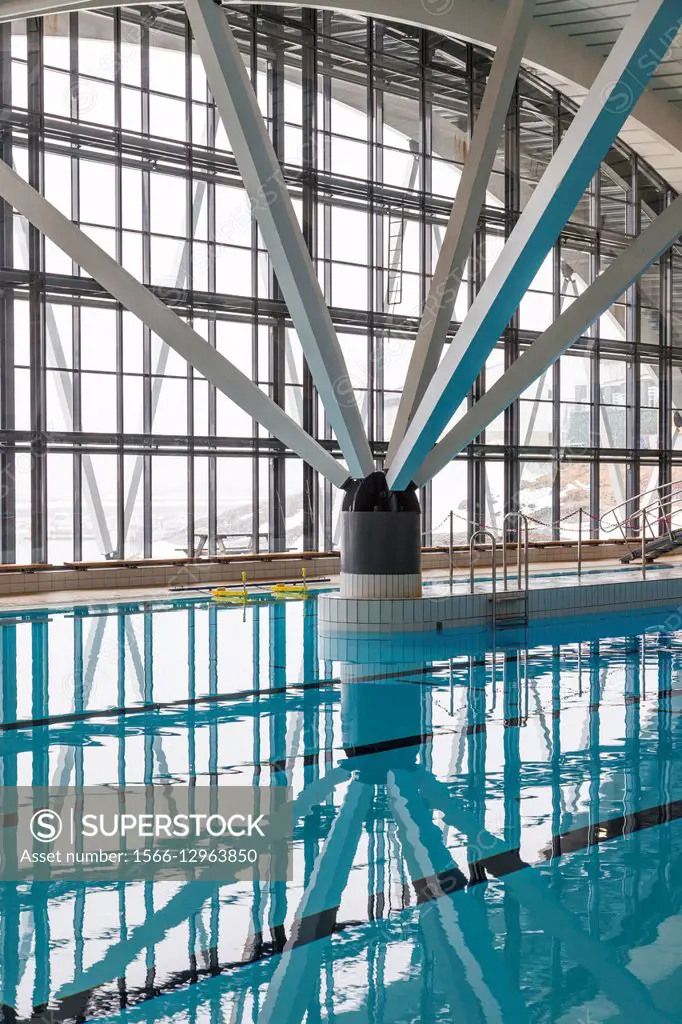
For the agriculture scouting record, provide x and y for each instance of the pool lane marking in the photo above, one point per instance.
(235, 695)
(139, 709)
(310, 759)
(212, 698)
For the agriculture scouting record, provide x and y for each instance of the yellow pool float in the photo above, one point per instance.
(291, 589)
(240, 595)
(235, 594)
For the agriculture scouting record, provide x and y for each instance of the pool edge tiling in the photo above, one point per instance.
(547, 598)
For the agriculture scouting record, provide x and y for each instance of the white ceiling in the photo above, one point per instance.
(594, 25)
(567, 45)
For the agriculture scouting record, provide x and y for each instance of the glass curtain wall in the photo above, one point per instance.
(113, 447)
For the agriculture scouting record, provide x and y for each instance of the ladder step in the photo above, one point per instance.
(510, 621)
(511, 609)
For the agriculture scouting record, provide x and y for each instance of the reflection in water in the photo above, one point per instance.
(475, 841)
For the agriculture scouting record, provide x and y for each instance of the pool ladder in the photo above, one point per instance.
(509, 604)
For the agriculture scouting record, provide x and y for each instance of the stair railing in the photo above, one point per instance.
(643, 548)
(668, 500)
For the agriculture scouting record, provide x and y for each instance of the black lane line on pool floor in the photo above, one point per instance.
(507, 862)
(235, 695)
(323, 924)
(382, 746)
(210, 698)
(141, 709)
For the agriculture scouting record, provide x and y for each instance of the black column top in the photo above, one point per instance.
(374, 495)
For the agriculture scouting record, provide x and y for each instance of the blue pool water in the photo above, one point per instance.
(474, 842)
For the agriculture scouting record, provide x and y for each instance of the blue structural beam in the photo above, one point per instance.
(635, 56)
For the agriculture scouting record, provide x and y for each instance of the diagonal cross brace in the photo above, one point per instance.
(135, 297)
(466, 209)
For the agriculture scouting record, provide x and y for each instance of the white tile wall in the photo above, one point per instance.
(161, 576)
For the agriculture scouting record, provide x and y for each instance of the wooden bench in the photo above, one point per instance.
(266, 556)
(35, 567)
(130, 563)
(273, 556)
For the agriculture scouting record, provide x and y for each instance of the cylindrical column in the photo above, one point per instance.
(380, 541)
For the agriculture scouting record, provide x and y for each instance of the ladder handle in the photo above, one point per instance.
(472, 542)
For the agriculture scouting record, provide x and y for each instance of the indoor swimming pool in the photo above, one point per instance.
(476, 839)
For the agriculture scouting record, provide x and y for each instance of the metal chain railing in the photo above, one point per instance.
(522, 542)
(580, 512)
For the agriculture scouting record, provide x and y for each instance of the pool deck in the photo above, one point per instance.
(544, 578)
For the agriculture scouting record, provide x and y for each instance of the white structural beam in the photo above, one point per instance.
(530, 888)
(447, 277)
(272, 207)
(641, 46)
(459, 932)
(218, 370)
(565, 330)
(292, 982)
(13, 10)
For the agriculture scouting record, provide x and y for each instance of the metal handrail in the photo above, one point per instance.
(522, 520)
(666, 506)
(663, 504)
(658, 501)
(472, 543)
(642, 494)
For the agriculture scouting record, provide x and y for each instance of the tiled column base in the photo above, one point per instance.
(387, 587)
(338, 613)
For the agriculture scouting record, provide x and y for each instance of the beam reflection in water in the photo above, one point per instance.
(475, 840)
